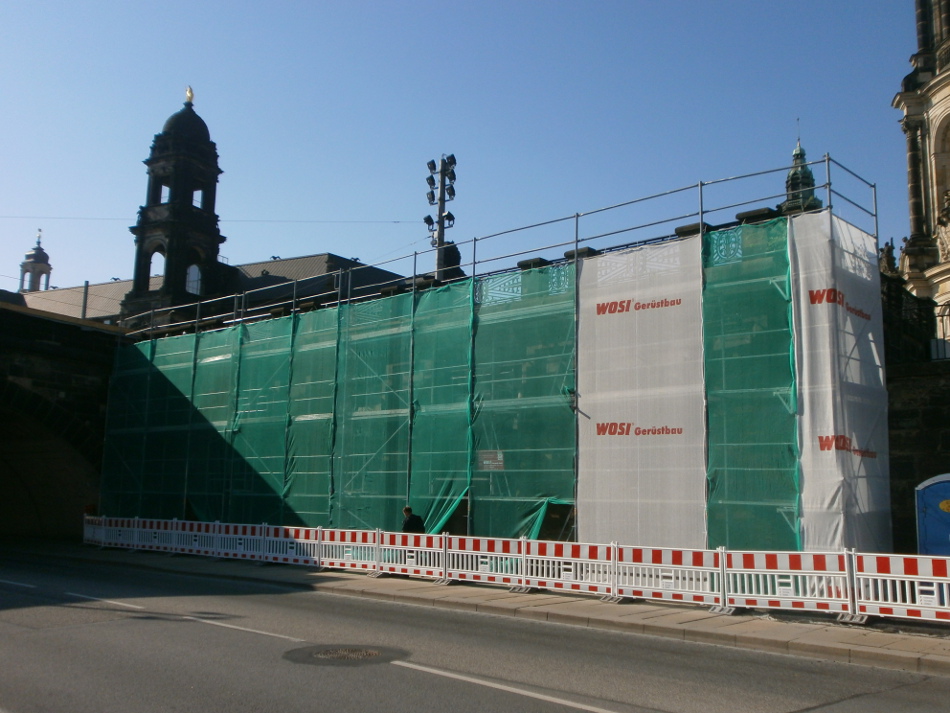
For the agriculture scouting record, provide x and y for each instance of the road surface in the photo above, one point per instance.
(86, 637)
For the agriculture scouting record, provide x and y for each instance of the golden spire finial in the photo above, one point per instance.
(39, 235)
(189, 95)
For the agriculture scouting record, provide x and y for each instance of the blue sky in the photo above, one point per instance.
(325, 113)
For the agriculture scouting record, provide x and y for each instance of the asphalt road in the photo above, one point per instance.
(80, 637)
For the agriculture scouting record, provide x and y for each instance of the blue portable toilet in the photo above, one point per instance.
(933, 516)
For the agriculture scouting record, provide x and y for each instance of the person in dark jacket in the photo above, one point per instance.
(412, 523)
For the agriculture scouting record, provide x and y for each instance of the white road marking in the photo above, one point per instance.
(107, 601)
(17, 584)
(502, 687)
(192, 618)
(241, 628)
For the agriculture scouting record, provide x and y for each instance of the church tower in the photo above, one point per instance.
(799, 186)
(34, 266)
(177, 233)
(924, 100)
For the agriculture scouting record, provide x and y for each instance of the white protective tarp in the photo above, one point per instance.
(839, 354)
(641, 405)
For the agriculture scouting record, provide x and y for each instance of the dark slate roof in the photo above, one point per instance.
(104, 299)
(255, 274)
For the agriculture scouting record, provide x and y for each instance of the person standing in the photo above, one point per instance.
(411, 522)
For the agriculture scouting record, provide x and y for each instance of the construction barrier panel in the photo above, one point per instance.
(156, 535)
(349, 549)
(197, 538)
(691, 576)
(569, 566)
(244, 542)
(292, 545)
(486, 560)
(784, 580)
(905, 587)
(415, 555)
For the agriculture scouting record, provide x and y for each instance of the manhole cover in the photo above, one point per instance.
(347, 654)
(344, 655)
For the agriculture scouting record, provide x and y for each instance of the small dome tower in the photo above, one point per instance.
(34, 266)
(799, 186)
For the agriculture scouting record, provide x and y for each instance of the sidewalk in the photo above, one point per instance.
(889, 644)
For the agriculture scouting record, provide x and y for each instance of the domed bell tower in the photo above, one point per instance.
(799, 186)
(34, 267)
(177, 233)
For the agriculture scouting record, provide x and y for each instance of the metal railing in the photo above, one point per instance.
(651, 218)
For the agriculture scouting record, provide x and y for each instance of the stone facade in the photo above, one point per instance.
(924, 100)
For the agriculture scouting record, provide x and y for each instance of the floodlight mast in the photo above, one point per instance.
(444, 219)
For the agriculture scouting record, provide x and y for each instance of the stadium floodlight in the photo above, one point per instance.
(441, 189)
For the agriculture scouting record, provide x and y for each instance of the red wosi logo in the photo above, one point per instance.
(843, 443)
(613, 307)
(837, 443)
(833, 296)
(614, 429)
(829, 296)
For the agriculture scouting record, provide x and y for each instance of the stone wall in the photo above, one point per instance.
(919, 427)
(54, 377)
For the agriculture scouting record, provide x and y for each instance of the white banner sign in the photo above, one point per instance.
(641, 433)
(842, 394)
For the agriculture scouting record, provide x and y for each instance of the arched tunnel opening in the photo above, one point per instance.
(54, 377)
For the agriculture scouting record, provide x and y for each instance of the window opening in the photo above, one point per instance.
(193, 280)
(156, 266)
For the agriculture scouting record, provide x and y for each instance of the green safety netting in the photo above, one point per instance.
(442, 403)
(371, 451)
(459, 405)
(753, 465)
(211, 459)
(310, 430)
(523, 426)
(126, 424)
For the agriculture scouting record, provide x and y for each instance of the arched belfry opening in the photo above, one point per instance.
(156, 263)
(177, 230)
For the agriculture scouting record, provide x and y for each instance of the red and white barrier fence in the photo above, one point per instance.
(690, 576)
(784, 580)
(568, 566)
(849, 584)
(415, 555)
(912, 587)
(488, 560)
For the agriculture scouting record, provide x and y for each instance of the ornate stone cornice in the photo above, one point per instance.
(912, 125)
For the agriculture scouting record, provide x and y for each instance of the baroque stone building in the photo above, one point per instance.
(924, 100)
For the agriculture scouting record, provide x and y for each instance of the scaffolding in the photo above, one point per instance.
(462, 399)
